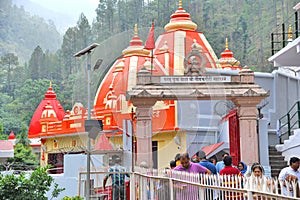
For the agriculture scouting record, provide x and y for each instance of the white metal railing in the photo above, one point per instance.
(146, 184)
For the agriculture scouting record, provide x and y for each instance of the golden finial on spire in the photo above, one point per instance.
(290, 33)
(135, 30)
(226, 43)
(180, 4)
(50, 85)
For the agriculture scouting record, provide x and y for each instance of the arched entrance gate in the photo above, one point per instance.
(240, 89)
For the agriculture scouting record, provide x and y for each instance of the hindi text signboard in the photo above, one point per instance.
(195, 79)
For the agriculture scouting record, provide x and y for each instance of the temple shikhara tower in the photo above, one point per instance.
(169, 95)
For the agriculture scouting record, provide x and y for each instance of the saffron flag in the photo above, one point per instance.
(150, 43)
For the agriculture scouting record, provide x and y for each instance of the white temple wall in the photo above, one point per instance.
(201, 122)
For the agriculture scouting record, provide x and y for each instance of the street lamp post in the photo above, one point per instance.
(88, 51)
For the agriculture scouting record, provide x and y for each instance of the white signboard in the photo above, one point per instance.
(195, 79)
(127, 133)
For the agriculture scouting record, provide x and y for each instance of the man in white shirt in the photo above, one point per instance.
(290, 174)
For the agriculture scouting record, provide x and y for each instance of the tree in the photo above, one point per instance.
(29, 96)
(53, 67)
(20, 187)
(37, 64)
(22, 138)
(24, 158)
(67, 51)
(8, 120)
(11, 122)
(3, 136)
(84, 32)
(105, 18)
(9, 62)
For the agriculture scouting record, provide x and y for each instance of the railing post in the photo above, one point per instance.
(272, 44)
(171, 189)
(132, 187)
(151, 188)
(144, 189)
(289, 124)
(202, 193)
(296, 24)
(283, 35)
(249, 194)
(79, 186)
(298, 112)
(279, 133)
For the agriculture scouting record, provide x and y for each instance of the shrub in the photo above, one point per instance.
(19, 187)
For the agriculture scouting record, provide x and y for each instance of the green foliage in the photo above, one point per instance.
(24, 158)
(23, 138)
(67, 51)
(20, 187)
(3, 136)
(36, 63)
(247, 24)
(11, 118)
(17, 113)
(10, 70)
(66, 94)
(29, 97)
(84, 32)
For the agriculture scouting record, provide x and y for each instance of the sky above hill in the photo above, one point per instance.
(72, 8)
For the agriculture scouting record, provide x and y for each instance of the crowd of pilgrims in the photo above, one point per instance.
(200, 164)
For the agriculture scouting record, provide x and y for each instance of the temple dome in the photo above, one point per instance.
(110, 103)
(227, 61)
(180, 20)
(35, 126)
(171, 48)
(136, 46)
(11, 136)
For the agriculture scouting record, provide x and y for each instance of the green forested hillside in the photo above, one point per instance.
(20, 32)
(247, 24)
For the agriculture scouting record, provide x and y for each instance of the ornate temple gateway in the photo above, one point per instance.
(240, 89)
(158, 91)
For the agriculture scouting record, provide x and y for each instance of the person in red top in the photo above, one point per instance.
(230, 180)
(228, 169)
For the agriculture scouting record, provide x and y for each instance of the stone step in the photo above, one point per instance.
(277, 163)
(276, 160)
(274, 167)
(276, 157)
(274, 152)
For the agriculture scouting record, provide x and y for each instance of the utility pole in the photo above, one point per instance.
(88, 51)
